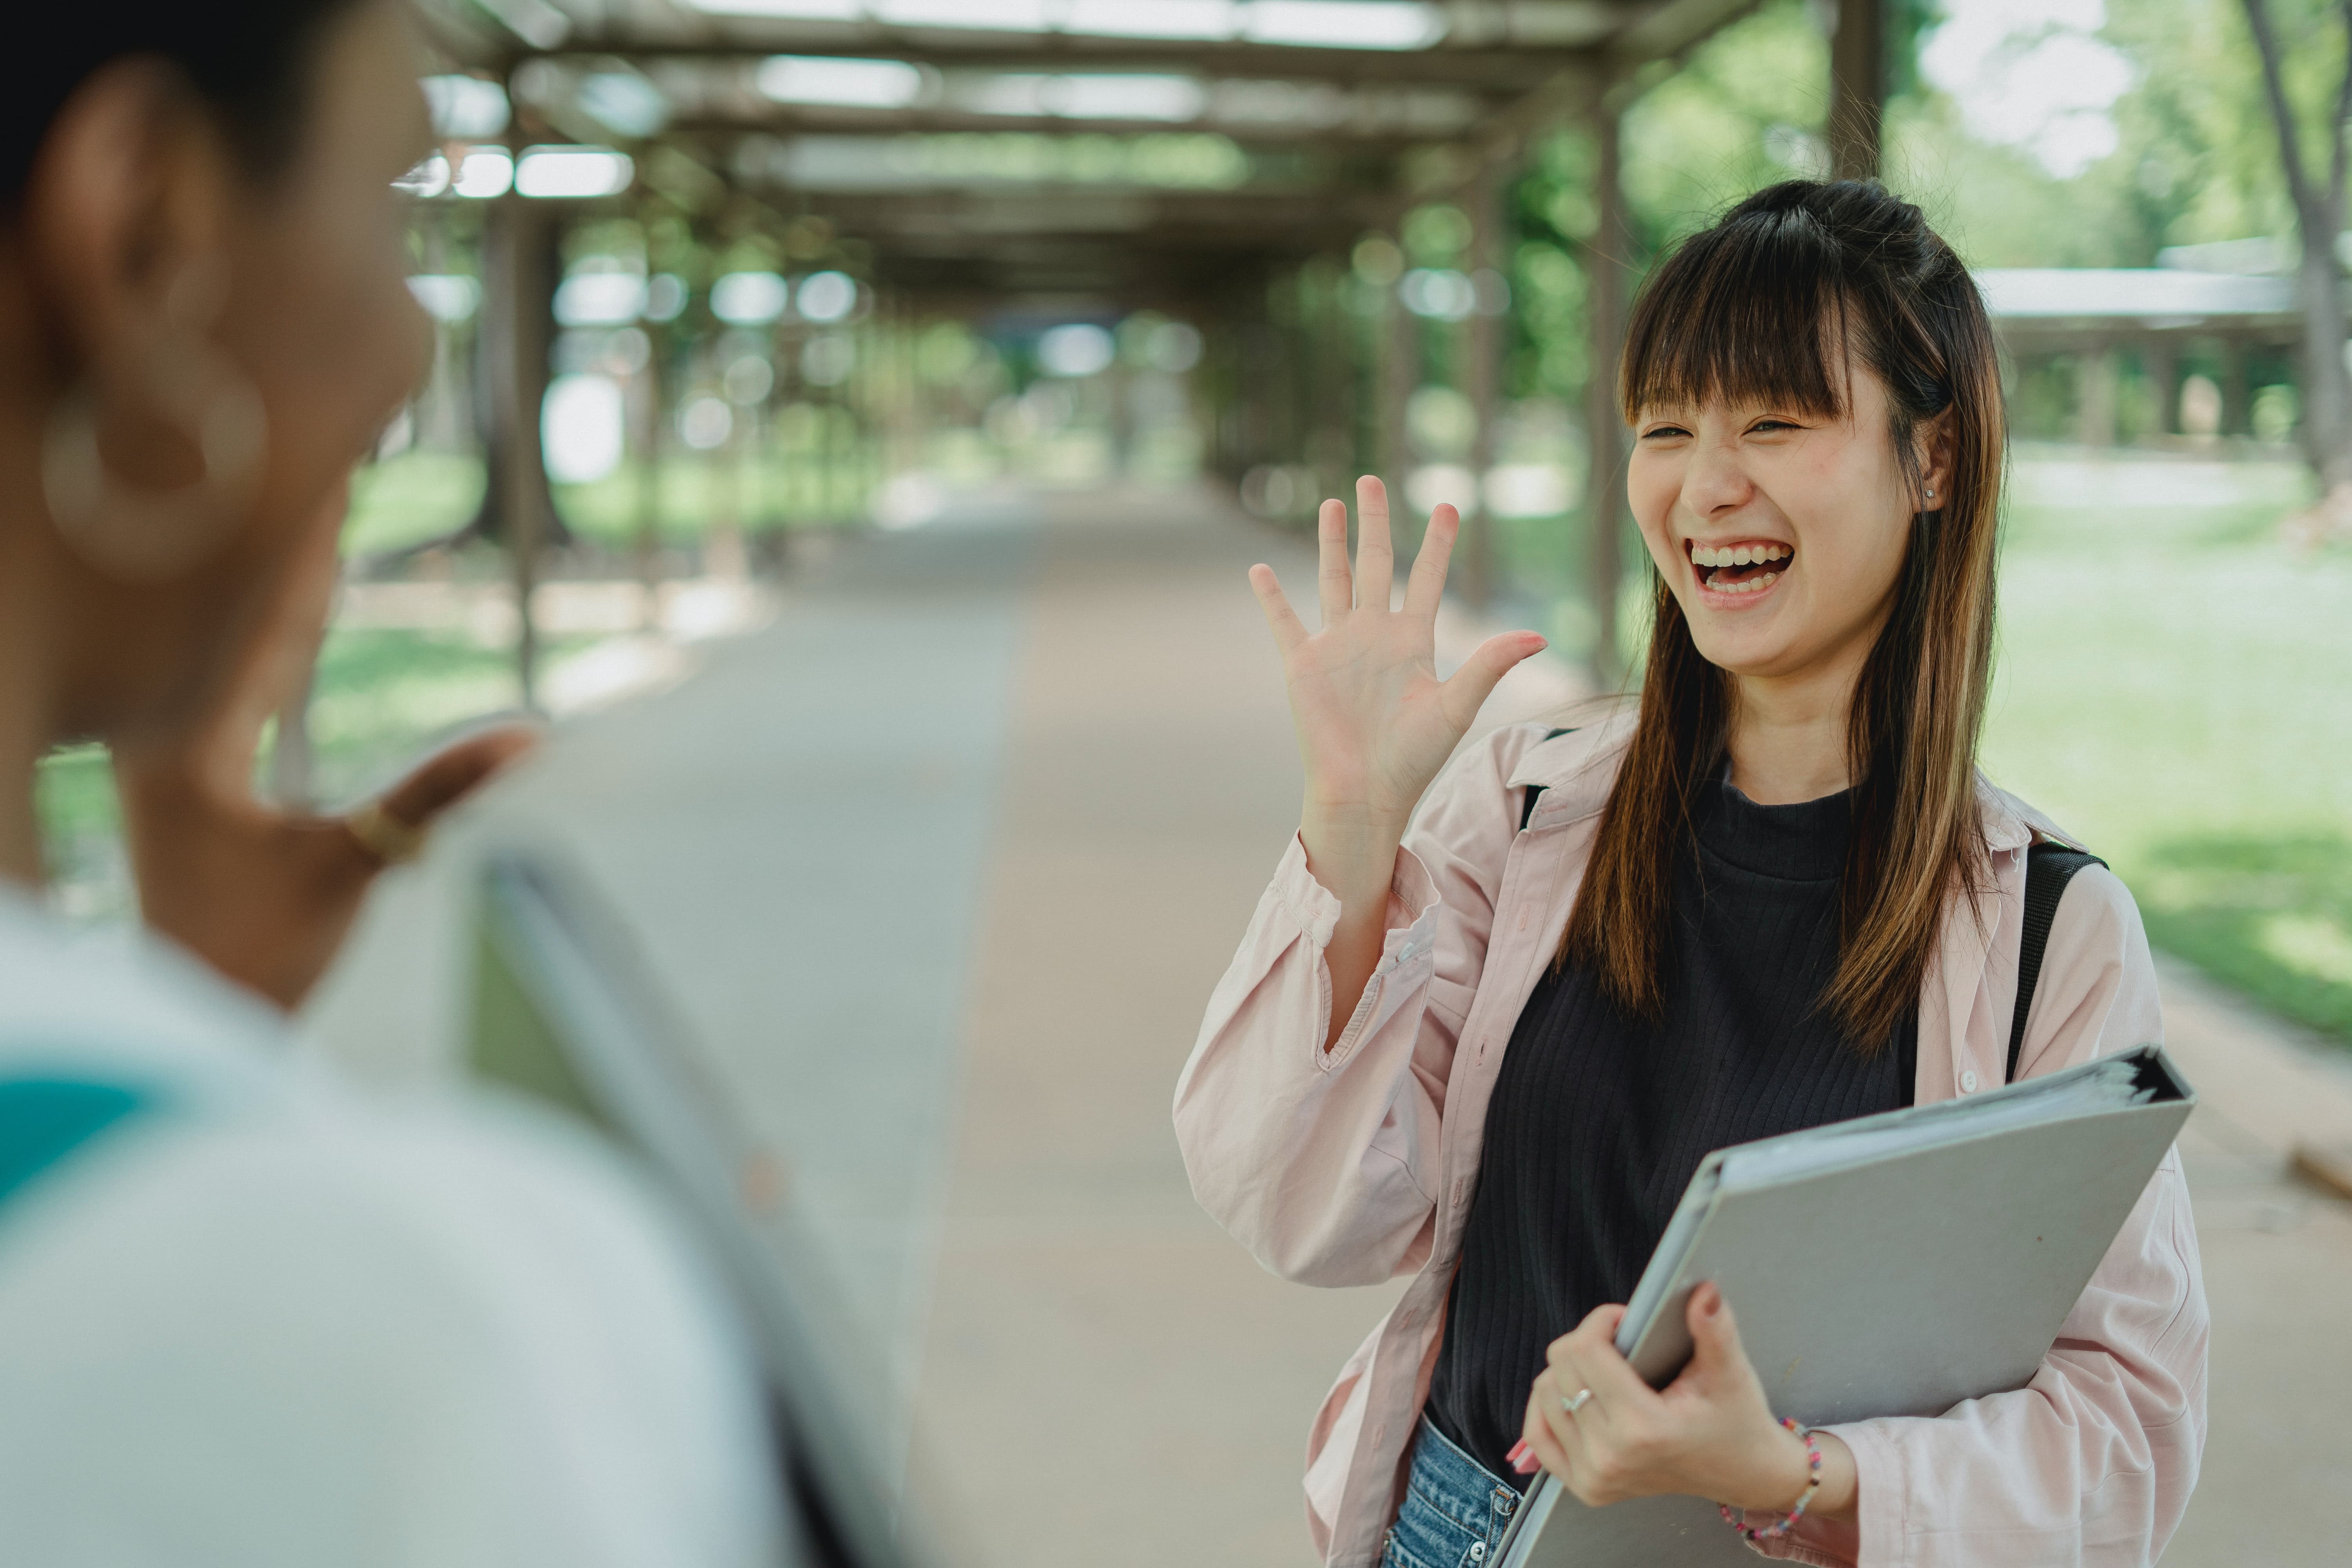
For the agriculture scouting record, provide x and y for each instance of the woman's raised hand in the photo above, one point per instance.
(1374, 722)
(265, 895)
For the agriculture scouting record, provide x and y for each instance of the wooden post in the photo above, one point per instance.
(653, 409)
(1608, 272)
(2095, 396)
(1857, 88)
(2160, 363)
(2237, 390)
(1399, 374)
(518, 264)
(1483, 369)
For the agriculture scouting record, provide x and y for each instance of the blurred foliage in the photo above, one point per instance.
(1745, 110)
(697, 491)
(411, 499)
(2183, 719)
(2195, 159)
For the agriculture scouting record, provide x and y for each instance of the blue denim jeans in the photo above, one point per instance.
(1454, 1509)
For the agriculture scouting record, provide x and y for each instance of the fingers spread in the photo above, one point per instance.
(1468, 687)
(1427, 585)
(1375, 555)
(1335, 583)
(1280, 618)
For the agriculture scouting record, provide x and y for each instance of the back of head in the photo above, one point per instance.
(247, 59)
(204, 320)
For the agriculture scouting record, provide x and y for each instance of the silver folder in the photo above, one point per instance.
(1893, 1265)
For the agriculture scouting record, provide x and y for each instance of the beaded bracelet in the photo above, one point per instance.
(1788, 1520)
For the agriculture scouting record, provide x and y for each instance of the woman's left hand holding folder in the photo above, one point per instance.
(1710, 1433)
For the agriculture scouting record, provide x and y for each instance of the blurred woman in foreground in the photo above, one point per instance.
(242, 1319)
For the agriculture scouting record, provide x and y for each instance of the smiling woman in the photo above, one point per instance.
(1802, 380)
(1485, 1026)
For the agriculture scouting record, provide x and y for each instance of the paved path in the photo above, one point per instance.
(942, 865)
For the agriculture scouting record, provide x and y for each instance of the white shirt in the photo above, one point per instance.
(265, 1323)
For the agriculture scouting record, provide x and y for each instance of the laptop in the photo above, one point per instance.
(565, 1011)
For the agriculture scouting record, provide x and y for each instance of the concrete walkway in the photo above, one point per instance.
(942, 865)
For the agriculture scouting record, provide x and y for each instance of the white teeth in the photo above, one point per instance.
(1737, 555)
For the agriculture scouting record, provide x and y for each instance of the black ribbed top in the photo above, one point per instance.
(1598, 1120)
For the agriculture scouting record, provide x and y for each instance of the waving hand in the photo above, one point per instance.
(1375, 723)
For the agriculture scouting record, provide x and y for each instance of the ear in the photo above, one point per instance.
(127, 197)
(1932, 443)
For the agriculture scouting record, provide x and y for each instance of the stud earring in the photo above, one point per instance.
(1931, 492)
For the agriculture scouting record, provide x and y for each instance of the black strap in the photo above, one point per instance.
(2049, 867)
(1535, 792)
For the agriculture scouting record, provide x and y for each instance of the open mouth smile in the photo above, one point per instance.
(1740, 571)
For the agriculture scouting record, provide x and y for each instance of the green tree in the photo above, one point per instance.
(2315, 183)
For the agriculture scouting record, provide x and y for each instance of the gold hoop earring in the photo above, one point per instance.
(129, 531)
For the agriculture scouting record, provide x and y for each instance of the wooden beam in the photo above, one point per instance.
(818, 120)
(1857, 88)
(983, 214)
(1669, 28)
(520, 268)
(1484, 69)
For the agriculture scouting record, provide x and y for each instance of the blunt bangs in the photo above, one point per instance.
(1749, 312)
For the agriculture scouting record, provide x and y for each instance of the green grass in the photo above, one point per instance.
(418, 496)
(2176, 686)
(408, 500)
(778, 492)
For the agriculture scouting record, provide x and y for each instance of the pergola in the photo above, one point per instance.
(2158, 313)
(1332, 120)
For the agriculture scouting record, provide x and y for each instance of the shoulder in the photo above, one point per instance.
(466, 1306)
(1575, 758)
(457, 1218)
(2098, 988)
(123, 1003)
(2096, 903)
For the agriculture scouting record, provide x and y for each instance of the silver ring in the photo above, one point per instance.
(1583, 1396)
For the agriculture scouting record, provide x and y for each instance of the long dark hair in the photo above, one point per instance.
(1765, 306)
(248, 61)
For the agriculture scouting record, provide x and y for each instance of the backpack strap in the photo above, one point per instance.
(1535, 792)
(2049, 867)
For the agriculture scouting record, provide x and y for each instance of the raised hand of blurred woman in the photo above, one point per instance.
(1375, 723)
(264, 894)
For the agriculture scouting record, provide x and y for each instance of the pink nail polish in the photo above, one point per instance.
(1526, 1465)
(1519, 1451)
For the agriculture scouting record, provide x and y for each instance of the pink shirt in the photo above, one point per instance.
(1355, 1164)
